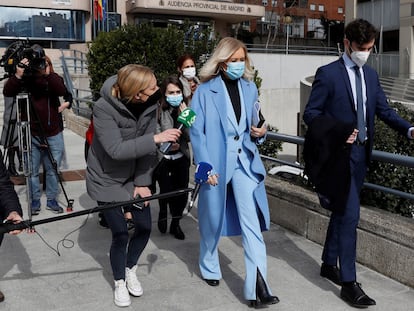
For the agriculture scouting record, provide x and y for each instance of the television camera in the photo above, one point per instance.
(19, 50)
(22, 111)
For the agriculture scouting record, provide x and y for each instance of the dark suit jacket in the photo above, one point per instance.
(327, 160)
(332, 96)
(9, 201)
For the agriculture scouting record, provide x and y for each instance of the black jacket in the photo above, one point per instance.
(9, 201)
(326, 155)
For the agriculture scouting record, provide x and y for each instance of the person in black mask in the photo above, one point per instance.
(120, 164)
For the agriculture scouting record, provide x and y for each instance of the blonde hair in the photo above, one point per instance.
(223, 51)
(132, 79)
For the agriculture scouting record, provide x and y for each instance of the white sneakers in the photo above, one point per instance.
(124, 288)
(132, 283)
(121, 294)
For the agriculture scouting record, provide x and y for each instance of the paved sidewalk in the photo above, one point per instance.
(65, 266)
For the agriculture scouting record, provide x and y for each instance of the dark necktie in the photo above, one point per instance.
(360, 106)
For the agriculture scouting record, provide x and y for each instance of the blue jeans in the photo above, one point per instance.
(40, 155)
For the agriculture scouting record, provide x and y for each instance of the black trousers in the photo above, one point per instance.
(173, 175)
(125, 251)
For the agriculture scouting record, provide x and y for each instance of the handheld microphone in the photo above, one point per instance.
(202, 172)
(186, 118)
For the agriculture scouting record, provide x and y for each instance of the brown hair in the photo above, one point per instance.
(49, 62)
(173, 79)
(182, 59)
(360, 31)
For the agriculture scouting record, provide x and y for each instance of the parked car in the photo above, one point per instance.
(287, 172)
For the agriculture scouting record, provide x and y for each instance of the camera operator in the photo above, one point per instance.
(44, 88)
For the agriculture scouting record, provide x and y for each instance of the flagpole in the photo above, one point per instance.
(93, 17)
(105, 14)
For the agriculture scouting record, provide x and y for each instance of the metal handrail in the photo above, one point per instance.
(66, 75)
(292, 49)
(79, 66)
(397, 159)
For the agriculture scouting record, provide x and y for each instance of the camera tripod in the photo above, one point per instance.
(23, 124)
(9, 137)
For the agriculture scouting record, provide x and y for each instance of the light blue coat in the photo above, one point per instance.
(217, 140)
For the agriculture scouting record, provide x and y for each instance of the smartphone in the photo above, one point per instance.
(260, 124)
(261, 120)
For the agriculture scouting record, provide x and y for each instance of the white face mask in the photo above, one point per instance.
(189, 73)
(359, 57)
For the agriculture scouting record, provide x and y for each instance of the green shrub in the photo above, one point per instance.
(157, 48)
(271, 148)
(391, 175)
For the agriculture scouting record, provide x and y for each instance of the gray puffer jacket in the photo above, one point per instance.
(123, 153)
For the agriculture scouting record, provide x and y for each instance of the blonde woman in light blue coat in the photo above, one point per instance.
(233, 201)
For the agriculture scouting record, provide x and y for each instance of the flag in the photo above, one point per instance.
(98, 9)
(104, 9)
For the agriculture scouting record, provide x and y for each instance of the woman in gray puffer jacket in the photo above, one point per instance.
(120, 164)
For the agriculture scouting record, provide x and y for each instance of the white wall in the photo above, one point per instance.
(280, 90)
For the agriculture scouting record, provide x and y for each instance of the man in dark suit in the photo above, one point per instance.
(10, 209)
(349, 91)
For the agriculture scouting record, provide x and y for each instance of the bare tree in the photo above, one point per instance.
(277, 20)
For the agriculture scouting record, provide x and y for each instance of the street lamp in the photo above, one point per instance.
(287, 20)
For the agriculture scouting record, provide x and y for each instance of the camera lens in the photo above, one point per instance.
(38, 63)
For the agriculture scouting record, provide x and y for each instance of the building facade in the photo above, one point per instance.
(59, 23)
(53, 23)
(395, 21)
(301, 19)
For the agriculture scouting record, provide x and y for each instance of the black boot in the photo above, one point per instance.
(263, 296)
(162, 219)
(175, 230)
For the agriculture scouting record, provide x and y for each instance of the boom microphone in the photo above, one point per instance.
(186, 118)
(28, 224)
(202, 172)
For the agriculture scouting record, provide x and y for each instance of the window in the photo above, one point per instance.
(340, 10)
(321, 8)
(290, 3)
(315, 29)
(303, 3)
(312, 7)
(53, 25)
